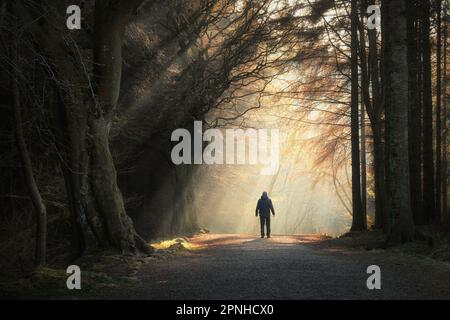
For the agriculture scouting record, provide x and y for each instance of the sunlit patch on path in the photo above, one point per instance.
(212, 240)
(176, 243)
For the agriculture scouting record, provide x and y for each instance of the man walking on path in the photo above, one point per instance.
(263, 208)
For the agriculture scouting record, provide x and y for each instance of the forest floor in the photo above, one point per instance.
(230, 266)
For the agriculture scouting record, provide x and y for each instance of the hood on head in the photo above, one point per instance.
(264, 195)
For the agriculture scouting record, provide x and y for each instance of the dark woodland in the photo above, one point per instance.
(86, 176)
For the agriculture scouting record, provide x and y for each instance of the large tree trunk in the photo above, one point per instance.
(84, 117)
(358, 219)
(396, 64)
(414, 118)
(111, 18)
(428, 162)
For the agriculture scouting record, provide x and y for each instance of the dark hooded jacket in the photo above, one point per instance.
(264, 206)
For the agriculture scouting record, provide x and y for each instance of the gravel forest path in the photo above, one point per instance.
(230, 266)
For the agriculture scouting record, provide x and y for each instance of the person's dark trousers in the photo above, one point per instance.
(265, 221)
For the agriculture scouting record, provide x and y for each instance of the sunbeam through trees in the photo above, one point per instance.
(139, 129)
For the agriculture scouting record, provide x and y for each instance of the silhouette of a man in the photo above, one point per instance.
(263, 208)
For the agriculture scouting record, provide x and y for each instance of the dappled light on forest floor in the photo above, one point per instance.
(213, 240)
(176, 244)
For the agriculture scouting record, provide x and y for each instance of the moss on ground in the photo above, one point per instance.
(437, 249)
(97, 272)
(103, 271)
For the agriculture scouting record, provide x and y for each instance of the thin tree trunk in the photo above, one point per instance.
(384, 72)
(380, 177)
(428, 162)
(35, 195)
(365, 92)
(414, 118)
(358, 220)
(375, 114)
(363, 166)
(396, 63)
(438, 110)
(365, 103)
(444, 124)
